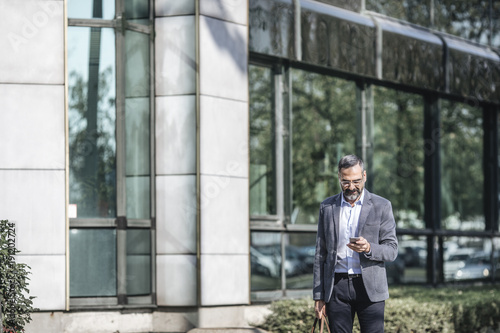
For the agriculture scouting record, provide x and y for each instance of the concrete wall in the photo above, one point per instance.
(32, 145)
(202, 85)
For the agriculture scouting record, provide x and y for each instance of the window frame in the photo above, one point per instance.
(121, 223)
(432, 233)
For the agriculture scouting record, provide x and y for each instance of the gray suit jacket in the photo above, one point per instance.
(376, 224)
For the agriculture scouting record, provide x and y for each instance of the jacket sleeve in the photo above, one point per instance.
(319, 260)
(387, 247)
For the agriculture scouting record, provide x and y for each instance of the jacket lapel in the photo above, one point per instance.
(336, 216)
(365, 210)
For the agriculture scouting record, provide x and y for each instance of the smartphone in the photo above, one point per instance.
(353, 239)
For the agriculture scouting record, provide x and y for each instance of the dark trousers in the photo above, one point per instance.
(348, 298)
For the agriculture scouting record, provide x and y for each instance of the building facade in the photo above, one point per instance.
(164, 160)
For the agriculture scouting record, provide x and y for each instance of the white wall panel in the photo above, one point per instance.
(32, 41)
(47, 280)
(176, 214)
(176, 135)
(223, 59)
(175, 55)
(176, 280)
(225, 279)
(227, 10)
(224, 137)
(32, 126)
(35, 201)
(224, 216)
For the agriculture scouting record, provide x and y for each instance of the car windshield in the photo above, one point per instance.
(479, 260)
(458, 257)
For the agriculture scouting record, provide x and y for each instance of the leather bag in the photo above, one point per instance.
(323, 321)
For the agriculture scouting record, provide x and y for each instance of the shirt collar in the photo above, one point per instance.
(358, 202)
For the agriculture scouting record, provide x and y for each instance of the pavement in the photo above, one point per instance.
(227, 330)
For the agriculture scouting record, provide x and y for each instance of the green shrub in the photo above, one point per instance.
(410, 309)
(16, 305)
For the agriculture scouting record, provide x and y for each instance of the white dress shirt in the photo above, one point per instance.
(347, 259)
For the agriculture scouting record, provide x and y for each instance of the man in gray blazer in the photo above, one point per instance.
(356, 235)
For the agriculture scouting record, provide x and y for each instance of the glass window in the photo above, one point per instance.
(88, 9)
(93, 262)
(410, 265)
(110, 90)
(262, 172)
(462, 178)
(414, 11)
(323, 130)
(473, 20)
(467, 258)
(92, 115)
(265, 261)
(466, 19)
(398, 155)
(299, 253)
(137, 124)
(137, 11)
(138, 262)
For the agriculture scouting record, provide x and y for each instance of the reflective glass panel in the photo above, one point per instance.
(410, 265)
(467, 19)
(262, 173)
(398, 155)
(137, 124)
(138, 262)
(462, 178)
(265, 261)
(92, 115)
(467, 258)
(323, 130)
(299, 260)
(93, 262)
(137, 11)
(88, 9)
(414, 11)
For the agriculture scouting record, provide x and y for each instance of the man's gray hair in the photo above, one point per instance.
(349, 161)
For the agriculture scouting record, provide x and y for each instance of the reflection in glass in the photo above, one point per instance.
(410, 265)
(137, 11)
(265, 261)
(93, 262)
(414, 11)
(137, 124)
(323, 130)
(262, 192)
(467, 258)
(138, 262)
(474, 20)
(398, 156)
(462, 177)
(92, 114)
(467, 19)
(299, 262)
(88, 9)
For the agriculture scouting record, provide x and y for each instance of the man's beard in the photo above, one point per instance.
(352, 195)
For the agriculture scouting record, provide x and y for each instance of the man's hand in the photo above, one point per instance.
(361, 245)
(319, 309)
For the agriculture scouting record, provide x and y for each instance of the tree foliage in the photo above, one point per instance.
(16, 305)
(473, 20)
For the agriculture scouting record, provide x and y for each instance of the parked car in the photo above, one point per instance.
(456, 261)
(479, 266)
(262, 264)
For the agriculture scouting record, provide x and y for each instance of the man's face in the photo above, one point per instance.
(352, 181)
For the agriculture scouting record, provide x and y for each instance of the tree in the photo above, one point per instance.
(15, 303)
